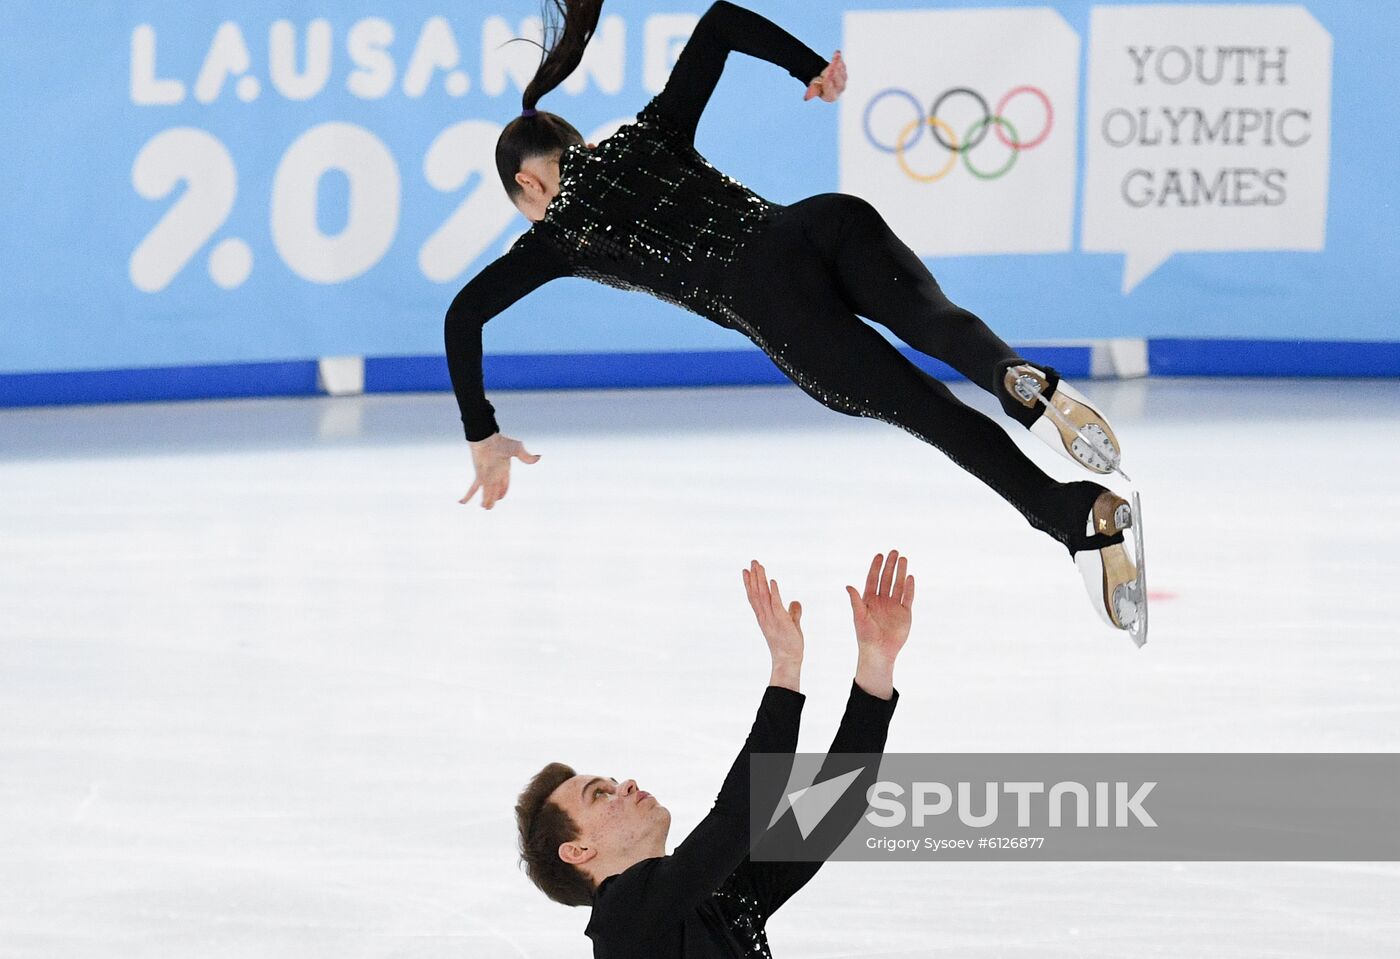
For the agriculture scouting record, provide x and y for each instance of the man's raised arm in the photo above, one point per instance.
(883, 615)
(670, 888)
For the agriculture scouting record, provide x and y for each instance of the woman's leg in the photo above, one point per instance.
(790, 304)
(880, 278)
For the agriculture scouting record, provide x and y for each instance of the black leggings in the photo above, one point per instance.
(797, 290)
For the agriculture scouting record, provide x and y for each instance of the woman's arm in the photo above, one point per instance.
(725, 27)
(527, 266)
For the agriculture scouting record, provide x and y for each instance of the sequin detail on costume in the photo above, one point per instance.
(745, 919)
(645, 211)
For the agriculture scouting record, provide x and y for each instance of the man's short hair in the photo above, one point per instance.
(544, 826)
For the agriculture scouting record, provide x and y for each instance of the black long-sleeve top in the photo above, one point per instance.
(708, 900)
(641, 211)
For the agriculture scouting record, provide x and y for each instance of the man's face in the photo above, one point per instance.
(613, 817)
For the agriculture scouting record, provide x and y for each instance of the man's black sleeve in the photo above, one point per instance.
(859, 741)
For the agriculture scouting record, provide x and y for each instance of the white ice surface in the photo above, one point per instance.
(266, 690)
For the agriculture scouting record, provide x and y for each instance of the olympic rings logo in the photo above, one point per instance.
(946, 137)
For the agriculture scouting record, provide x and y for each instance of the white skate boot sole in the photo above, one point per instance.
(1071, 424)
(1118, 586)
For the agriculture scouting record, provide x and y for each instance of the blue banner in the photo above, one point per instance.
(272, 180)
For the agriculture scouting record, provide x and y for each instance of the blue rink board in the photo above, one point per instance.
(401, 374)
(407, 374)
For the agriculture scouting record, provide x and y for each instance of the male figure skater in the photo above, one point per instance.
(593, 841)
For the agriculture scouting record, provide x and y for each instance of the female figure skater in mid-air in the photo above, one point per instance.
(644, 211)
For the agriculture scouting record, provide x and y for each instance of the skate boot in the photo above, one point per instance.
(1070, 423)
(1117, 586)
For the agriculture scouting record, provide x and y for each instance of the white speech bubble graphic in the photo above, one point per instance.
(1209, 130)
(961, 126)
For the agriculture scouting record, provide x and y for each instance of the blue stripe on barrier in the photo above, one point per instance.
(293, 378)
(1166, 357)
(1172, 357)
(546, 371)
(551, 371)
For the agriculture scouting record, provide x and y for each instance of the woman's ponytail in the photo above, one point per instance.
(538, 132)
(563, 46)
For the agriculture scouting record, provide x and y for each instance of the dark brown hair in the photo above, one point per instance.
(543, 827)
(568, 26)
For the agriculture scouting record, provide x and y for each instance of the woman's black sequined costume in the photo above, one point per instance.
(645, 211)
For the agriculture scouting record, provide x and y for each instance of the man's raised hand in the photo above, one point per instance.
(781, 625)
(491, 457)
(882, 612)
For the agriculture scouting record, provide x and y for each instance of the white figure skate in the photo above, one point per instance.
(1070, 424)
(1117, 586)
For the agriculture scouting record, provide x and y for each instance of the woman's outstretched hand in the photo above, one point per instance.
(781, 625)
(492, 457)
(829, 85)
